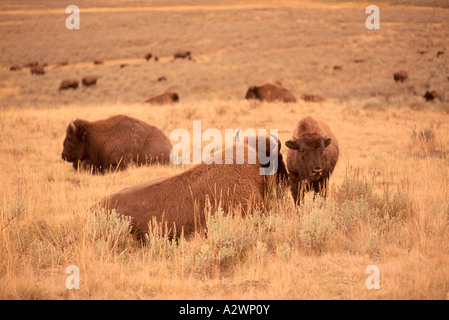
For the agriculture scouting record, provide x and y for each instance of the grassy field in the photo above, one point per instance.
(389, 195)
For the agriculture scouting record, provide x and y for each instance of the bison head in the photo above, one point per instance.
(310, 149)
(74, 143)
(252, 93)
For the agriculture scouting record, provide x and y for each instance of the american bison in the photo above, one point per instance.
(98, 61)
(430, 95)
(148, 56)
(164, 98)
(400, 76)
(181, 200)
(183, 55)
(39, 69)
(311, 158)
(270, 92)
(114, 143)
(68, 84)
(89, 81)
(15, 68)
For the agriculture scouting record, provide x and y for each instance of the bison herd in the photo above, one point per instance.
(181, 200)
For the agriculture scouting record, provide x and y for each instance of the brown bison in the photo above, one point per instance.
(68, 84)
(400, 76)
(270, 92)
(430, 95)
(15, 68)
(164, 98)
(89, 81)
(183, 55)
(98, 61)
(311, 158)
(148, 56)
(113, 143)
(39, 69)
(181, 200)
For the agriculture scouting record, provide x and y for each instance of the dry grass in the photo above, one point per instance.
(388, 206)
(388, 203)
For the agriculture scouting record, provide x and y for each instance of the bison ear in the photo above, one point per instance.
(291, 144)
(80, 130)
(327, 141)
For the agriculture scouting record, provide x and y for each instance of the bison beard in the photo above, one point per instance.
(180, 200)
(311, 158)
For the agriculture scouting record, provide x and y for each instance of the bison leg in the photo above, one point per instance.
(296, 188)
(299, 189)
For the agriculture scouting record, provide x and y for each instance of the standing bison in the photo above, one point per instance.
(181, 200)
(312, 156)
(114, 143)
(270, 92)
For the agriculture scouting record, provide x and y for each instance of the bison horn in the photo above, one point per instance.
(296, 138)
(72, 125)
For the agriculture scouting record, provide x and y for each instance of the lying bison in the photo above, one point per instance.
(113, 143)
(68, 84)
(15, 68)
(400, 76)
(311, 158)
(39, 69)
(164, 98)
(89, 81)
(270, 92)
(183, 55)
(180, 201)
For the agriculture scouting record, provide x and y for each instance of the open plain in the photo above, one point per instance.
(388, 203)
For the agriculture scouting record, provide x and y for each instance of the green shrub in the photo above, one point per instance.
(108, 231)
(316, 229)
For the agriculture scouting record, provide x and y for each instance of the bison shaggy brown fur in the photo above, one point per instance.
(164, 98)
(89, 81)
(68, 84)
(270, 92)
(114, 143)
(400, 76)
(183, 55)
(182, 200)
(312, 156)
(39, 69)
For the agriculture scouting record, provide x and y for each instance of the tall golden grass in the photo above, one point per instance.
(388, 206)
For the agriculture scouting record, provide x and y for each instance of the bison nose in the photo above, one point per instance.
(317, 170)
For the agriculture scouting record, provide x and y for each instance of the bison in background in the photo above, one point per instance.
(39, 69)
(181, 200)
(311, 158)
(270, 92)
(183, 55)
(400, 76)
(114, 143)
(68, 84)
(164, 98)
(89, 81)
